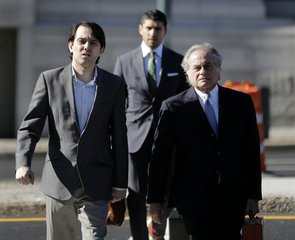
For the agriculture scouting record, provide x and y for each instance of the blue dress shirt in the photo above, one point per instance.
(84, 94)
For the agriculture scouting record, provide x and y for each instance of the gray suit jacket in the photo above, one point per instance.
(97, 158)
(142, 109)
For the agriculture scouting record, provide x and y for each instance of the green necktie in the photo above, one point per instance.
(151, 78)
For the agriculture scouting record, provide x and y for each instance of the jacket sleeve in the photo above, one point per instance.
(161, 157)
(252, 169)
(119, 140)
(32, 125)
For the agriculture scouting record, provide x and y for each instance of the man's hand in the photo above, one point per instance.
(117, 195)
(252, 207)
(24, 175)
(157, 212)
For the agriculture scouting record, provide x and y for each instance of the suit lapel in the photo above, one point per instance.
(193, 98)
(138, 62)
(196, 112)
(164, 64)
(224, 112)
(194, 107)
(191, 95)
(100, 91)
(67, 82)
(227, 114)
(100, 95)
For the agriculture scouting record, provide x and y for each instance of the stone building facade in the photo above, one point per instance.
(257, 44)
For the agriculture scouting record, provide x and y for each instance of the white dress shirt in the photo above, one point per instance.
(213, 100)
(158, 59)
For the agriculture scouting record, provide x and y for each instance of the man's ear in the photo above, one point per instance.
(185, 74)
(70, 46)
(219, 70)
(140, 29)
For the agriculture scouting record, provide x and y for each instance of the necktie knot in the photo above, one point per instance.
(152, 54)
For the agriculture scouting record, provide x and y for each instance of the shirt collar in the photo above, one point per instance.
(213, 94)
(92, 82)
(146, 50)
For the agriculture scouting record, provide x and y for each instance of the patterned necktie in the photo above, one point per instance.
(151, 77)
(209, 111)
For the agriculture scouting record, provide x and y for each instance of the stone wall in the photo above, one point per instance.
(254, 47)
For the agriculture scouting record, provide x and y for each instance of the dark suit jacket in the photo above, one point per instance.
(235, 153)
(142, 109)
(97, 157)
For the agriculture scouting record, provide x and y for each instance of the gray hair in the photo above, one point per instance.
(206, 47)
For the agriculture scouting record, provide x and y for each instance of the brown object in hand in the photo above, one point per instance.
(253, 229)
(116, 213)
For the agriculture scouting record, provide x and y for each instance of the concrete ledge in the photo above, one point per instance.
(277, 204)
(19, 200)
(8, 145)
(278, 193)
(280, 136)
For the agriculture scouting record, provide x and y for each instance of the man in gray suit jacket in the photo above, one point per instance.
(87, 161)
(143, 104)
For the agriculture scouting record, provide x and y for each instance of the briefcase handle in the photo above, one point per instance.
(251, 217)
(252, 220)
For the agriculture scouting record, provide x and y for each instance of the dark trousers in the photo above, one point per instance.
(220, 231)
(137, 189)
(137, 212)
(218, 222)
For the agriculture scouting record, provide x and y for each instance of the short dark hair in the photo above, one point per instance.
(155, 15)
(97, 32)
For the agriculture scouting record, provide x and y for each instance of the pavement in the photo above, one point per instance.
(278, 192)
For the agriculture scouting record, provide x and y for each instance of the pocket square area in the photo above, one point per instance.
(172, 74)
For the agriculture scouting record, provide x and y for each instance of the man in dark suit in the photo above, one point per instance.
(87, 161)
(217, 167)
(145, 92)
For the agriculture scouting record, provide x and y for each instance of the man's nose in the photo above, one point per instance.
(152, 32)
(202, 70)
(86, 45)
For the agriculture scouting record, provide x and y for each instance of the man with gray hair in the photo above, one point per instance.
(217, 164)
